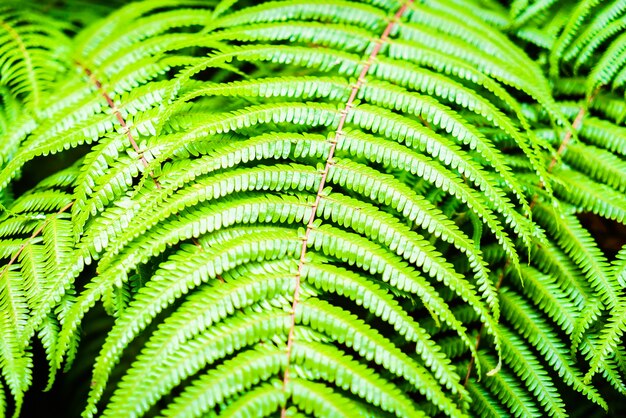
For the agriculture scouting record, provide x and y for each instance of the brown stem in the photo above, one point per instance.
(578, 121)
(329, 162)
(119, 117)
(424, 121)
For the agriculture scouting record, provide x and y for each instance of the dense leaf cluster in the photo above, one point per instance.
(337, 208)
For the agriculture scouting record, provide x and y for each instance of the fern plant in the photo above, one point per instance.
(304, 208)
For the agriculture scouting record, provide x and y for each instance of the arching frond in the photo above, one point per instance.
(336, 208)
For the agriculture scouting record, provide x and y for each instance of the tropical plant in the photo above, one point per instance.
(339, 208)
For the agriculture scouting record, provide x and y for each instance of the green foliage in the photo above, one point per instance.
(314, 208)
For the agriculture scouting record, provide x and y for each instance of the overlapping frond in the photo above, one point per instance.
(331, 209)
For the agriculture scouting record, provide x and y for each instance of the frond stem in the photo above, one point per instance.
(578, 121)
(320, 190)
(119, 117)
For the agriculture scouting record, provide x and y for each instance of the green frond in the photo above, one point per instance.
(261, 282)
(612, 107)
(319, 400)
(363, 15)
(580, 246)
(251, 244)
(601, 165)
(484, 404)
(538, 333)
(353, 250)
(590, 196)
(267, 398)
(243, 371)
(607, 68)
(552, 260)
(531, 11)
(33, 55)
(298, 208)
(611, 335)
(134, 397)
(574, 24)
(509, 391)
(611, 371)
(321, 361)
(408, 244)
(592, 37)
(346, 329)
(44, 201)
(331, 278)
(15, 361)
(523, 362)
(548, 296)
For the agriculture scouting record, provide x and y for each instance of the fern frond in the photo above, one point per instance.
(541, 336)
(305, 208)
(33, 54)
(584, 252)
(15, 361)
(612, 334)
(509, 390)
